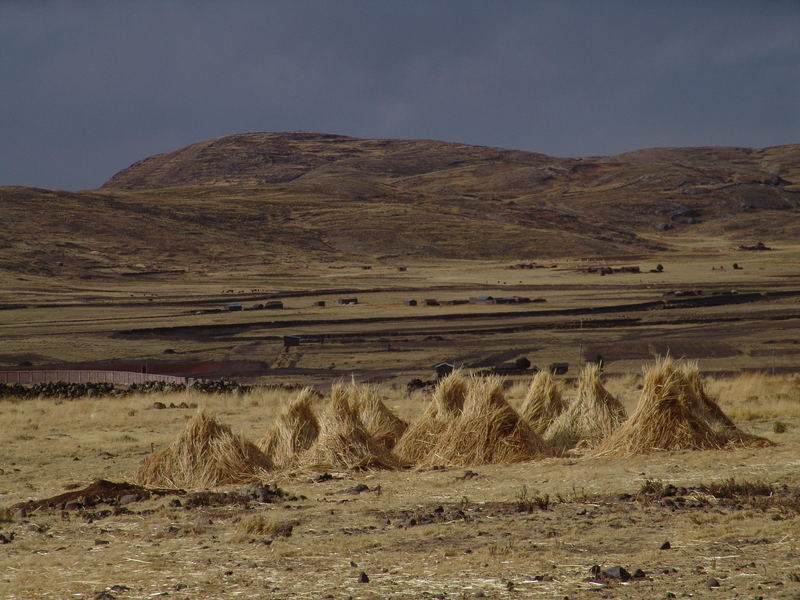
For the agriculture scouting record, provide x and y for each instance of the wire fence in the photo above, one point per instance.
(85, 376)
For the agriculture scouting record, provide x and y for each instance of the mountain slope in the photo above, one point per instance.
(292, 197)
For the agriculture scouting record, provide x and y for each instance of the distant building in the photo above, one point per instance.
(348, 301)
(319, 303)
(234, 307)
(431, 302)
(410, 302)
(482, 300)
(274, 305)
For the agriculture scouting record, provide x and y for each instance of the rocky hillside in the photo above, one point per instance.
(269, 197)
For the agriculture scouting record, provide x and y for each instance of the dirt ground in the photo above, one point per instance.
(530, 530)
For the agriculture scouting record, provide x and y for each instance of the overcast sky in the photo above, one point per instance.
(89, 87)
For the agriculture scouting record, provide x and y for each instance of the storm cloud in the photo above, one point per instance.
(89, 87)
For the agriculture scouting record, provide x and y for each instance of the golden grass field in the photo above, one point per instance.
(527, 530)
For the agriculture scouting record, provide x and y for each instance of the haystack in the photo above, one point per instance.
(446, 404)
(543, 402)
(487, 431)
(674, 413)
(380, 422)
(592, 416)
(205, 454)
(294, 430)
(343, 441)
(719, 419)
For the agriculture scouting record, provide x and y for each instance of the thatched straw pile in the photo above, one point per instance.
(543, 402)
(488, 430)
(718, 419)
(343, 441)
(380, 422)
(674, 413)
(423, 434)
(294, 430)
(205, 454)
(592, 416)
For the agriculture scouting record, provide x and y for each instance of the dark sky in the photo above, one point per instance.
(89, 87)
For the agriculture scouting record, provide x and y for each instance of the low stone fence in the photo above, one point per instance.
(85, 376)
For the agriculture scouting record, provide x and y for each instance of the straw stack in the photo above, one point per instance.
(381, 423)
(205, 454)
(488, 430)
(294, 430)
(592, 417)
(446, 404)
(343, 441)
(543, 402)
(675, 413)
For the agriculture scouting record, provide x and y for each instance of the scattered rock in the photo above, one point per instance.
(356, 489)
(128, 499)
(6, 539)
(104, 595)
(665, 546)
(353, 564)
(712, 583)
(639, 574)
(669, 490)
(616, 573)
(363, 578)
(159, 405)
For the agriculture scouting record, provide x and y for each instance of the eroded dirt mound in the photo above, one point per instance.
(100, 491)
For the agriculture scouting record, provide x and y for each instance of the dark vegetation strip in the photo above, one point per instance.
(180, 331)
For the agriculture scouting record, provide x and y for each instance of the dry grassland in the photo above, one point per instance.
(530, 530)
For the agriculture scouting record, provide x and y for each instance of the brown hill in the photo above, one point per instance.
(269, 197)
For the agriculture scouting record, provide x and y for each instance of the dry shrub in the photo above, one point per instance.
(380, 422)
(487, 431)
(592, 417)
(543, 402)
(446, 404)
(294, 430)
(674, 413)
(343, 441)
(205, 454)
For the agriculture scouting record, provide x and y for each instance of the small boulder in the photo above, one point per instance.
(617, 573)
